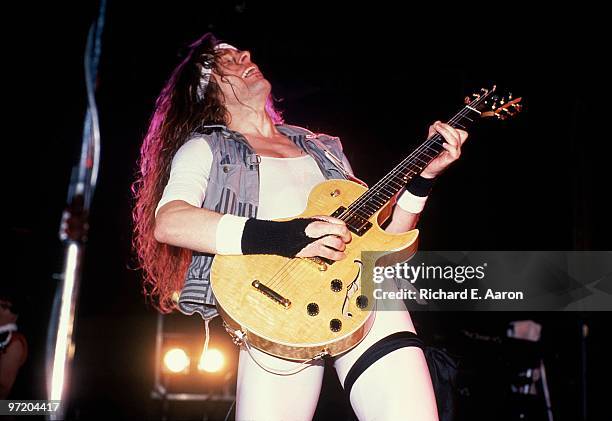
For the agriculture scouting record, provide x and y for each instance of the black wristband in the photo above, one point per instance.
(420, 186)
(284, 238)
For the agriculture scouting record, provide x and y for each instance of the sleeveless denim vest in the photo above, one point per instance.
(233, 187)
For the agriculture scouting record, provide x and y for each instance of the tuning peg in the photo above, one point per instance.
(505, 113)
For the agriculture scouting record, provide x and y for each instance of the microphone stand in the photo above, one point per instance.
(74, 227)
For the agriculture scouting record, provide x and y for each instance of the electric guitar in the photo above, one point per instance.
(303, 308)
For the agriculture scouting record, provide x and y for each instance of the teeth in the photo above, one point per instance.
(248, 71)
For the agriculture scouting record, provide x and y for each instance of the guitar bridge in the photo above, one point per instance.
(270, 293)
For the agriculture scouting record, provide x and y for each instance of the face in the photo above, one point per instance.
(241, 81)
(6, 315)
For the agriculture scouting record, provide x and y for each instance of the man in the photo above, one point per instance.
(216, 166)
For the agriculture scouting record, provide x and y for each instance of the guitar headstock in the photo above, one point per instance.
(489, 103)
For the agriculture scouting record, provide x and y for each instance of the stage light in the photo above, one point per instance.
(176, 360)
(211, 361)
(183, 376)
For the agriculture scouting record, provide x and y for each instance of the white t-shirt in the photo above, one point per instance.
(284, 183)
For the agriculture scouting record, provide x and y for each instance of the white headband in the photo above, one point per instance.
(207, 68)
(224, 46)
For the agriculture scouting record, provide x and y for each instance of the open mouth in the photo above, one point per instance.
(249, 71)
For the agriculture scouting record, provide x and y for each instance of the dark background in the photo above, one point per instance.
(376, 75)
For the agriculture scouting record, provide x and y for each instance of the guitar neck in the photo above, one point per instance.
(384, 190)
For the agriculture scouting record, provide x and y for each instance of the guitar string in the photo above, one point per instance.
(354, 208)
(288, 271)
(408, 160)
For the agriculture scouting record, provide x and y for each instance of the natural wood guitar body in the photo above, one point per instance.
(250, 289)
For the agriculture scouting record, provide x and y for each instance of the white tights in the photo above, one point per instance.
(396, 387)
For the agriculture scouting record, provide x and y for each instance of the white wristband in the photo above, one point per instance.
(229, 234)
(411, 203)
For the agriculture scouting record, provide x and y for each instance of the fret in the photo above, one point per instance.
(375, 201)
(362, 214)
(414, 170)
(436, 142)
(424, 161)
(397, 184)
(370, 206)
(462, 119)
(405, 179)
(378, 198)
(388, 194)
(378, 195)
(429, 157)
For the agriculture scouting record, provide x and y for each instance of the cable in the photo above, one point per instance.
(301, 366)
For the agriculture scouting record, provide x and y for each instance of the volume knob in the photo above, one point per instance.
(362, 301)
(335, 325)
(336, 285)
(312, 309)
